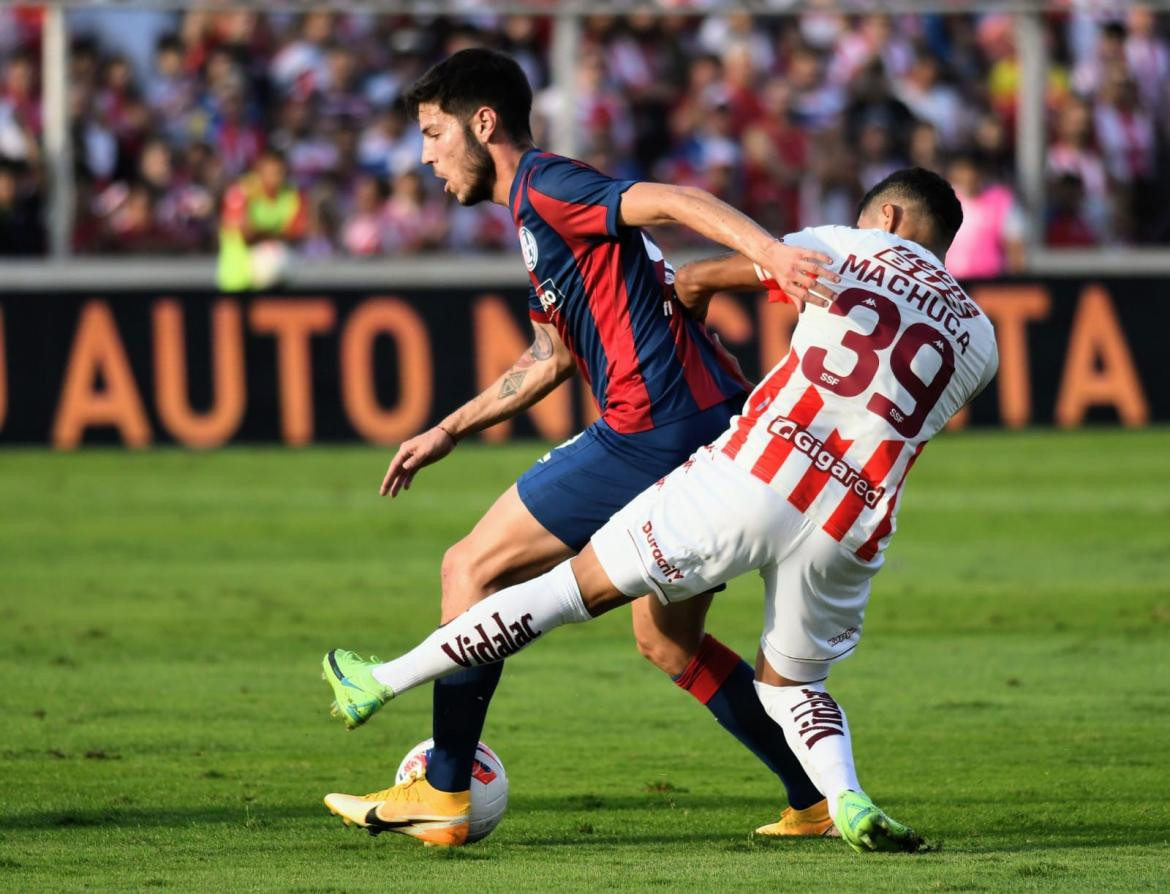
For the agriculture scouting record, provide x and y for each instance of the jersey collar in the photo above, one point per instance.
(526, 161)
(930, 255)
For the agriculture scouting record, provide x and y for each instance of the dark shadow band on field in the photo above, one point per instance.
(649, 800)
(171, 817)
(587, 819)
(261, 813)
(65, 823)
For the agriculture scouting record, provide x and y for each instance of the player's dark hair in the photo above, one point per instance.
(929, 190)
(168, 43)
(473, 78)
(271, 153)
(1114, 30)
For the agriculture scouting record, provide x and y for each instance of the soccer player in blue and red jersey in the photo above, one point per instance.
(602, 302)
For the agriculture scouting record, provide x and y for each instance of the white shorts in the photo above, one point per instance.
(709, 521)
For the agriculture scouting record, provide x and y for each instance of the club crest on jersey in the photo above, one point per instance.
(550, 296)
(825, 460)
(528, 248)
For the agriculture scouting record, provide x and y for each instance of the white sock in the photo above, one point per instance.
(491, 630)
(816, 730)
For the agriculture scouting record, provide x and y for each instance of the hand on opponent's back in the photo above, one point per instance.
(799, 273)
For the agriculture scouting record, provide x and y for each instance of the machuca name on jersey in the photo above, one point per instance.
(837, 425)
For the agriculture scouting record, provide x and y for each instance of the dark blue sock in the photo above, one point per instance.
(724, 682)
(460, 708)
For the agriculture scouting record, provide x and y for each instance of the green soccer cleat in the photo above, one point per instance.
(356, 694)
(865, 827)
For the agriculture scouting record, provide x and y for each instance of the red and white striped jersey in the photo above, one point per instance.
(837, 425)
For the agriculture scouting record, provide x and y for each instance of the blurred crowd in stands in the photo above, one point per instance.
(790, 118)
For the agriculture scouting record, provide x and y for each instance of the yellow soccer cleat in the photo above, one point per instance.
(811, 822)
(413, 808)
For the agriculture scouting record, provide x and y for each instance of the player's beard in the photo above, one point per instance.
(481, 171)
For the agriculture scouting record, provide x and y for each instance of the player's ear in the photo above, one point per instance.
(483, 123)
(891, 216)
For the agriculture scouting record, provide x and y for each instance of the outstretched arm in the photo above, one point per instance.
(796, 270)
(695, 283)
(542, 367)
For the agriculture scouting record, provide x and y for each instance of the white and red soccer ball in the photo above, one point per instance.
(270, 261)
(489, 785)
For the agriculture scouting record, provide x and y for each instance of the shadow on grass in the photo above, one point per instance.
(172, 817)
(629, 838)
(1076, 833)
(652, 798)
(259, 813)
(65, 822)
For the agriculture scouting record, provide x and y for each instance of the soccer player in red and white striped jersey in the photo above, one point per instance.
(837, 425)
(803, 486)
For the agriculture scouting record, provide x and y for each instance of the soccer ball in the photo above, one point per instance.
(489, 785)
(270, 262)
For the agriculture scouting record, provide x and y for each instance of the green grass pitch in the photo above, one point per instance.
(163, 616)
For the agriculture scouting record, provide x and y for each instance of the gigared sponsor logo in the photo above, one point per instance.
(669, 571)
(825, 460)
(847, 634)
(817, 717)
(493, 646)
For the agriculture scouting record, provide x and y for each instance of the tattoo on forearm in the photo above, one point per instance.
(512, 382)
(541, 349)
(542, 346)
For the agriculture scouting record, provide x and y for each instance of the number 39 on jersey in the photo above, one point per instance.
(838, 423)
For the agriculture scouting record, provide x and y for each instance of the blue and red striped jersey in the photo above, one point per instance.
(610, 294)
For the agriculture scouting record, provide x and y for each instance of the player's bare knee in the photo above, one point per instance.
(660, 650)
(646, 644)
(665, 655)
(646, 632)
(652, 652)
(461, 585)
(449, 568)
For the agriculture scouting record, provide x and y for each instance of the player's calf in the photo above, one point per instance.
(816, 730)
(490, 631)
(672, 638)
(462, 585)
(669, 636)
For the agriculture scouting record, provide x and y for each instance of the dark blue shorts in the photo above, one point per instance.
(574, 488)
